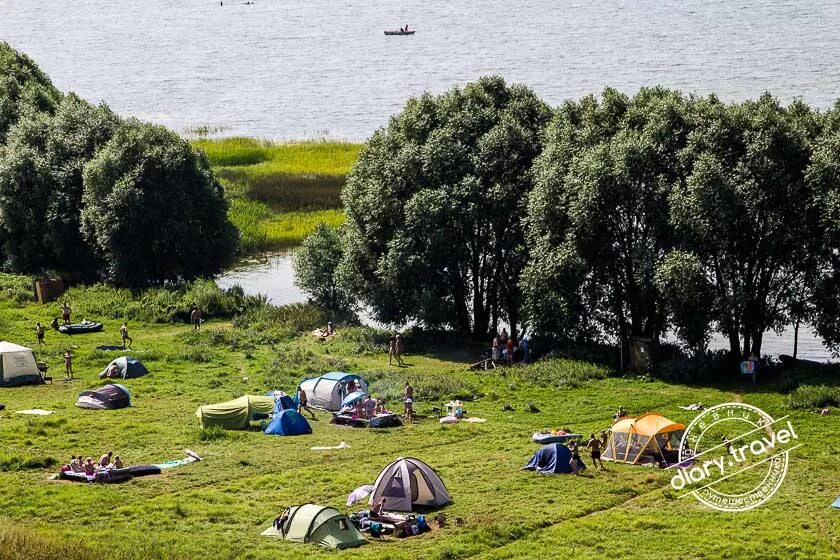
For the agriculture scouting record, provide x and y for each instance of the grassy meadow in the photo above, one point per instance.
(280, 192)
(218, 507)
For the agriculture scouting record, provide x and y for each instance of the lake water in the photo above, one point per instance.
(297, 69)
(303, 68)
(273, 276)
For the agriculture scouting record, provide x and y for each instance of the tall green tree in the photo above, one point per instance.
(24, 89)
(154, 210)
(823, 176)
(315, 268)
(435, 204)
(598, 216)
(41, 187)
(747, 212)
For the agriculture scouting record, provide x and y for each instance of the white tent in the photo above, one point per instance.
(407, 483)
(17, 365)
(328, 391)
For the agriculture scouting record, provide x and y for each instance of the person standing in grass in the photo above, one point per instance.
(65, 313)
(39, 331)
(195, 317)
(398, 349)
(68, 364)
(408, 401)
(594, 446)
(509, 348)
(125, 337)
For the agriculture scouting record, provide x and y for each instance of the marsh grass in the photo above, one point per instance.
(217, 508)
(280, 192)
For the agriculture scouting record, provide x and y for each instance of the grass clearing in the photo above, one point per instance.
(279, 192)
(219, 506)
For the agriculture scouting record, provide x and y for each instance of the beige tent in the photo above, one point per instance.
(316, 524)
(650, 438)
(17, 365)
(408, 483)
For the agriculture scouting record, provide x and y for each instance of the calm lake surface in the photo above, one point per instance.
(298, 69)
(303, 68)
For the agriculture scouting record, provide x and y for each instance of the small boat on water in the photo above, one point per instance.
(401, 32)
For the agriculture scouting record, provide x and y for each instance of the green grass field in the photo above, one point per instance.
(217, 508)
(280, 192)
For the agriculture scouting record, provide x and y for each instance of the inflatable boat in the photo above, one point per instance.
(80, 328)
(400, 32)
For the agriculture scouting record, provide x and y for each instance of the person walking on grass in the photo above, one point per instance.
(125, 337)
(392, 349)
(303, 403)
(594, 446)
(39, 332)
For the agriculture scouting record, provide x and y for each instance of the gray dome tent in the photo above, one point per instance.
(17, 365)
(408, 483)
(321, 525)
(128, 368)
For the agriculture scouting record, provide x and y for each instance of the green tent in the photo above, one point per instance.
(236, 414)
(311, 523)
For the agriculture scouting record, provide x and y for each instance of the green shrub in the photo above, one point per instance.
(560, 372)
(810, 397)
(16, 288)
(28, 462)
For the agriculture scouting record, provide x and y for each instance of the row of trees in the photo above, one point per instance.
(90, 195)
(606, 218)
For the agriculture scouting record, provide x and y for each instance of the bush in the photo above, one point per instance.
(810, 397)
(560, 372)
(712, 366)
(15, 463)
(16, 288)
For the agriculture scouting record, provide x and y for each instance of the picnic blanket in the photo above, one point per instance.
(342, 445)
(35, 412)
(693, 406)
(191, 457)
(836, 503)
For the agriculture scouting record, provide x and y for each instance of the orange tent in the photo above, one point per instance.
(650, 438)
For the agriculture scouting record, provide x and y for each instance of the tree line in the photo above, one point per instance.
(89, 195)
(606, 218)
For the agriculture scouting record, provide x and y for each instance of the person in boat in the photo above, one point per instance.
(76, 465)
(118, 464)
(90, 469)
(105, 460)
(370, 407)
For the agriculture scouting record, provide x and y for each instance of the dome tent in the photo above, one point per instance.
(288, 423)
(328, 391)
(18, 365)
(408, 483)
(321, 525)
(105, 398)
(282, 401)
(551, 459)
(650, 438)
(128, 367)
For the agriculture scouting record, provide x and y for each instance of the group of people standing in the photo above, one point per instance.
(395, 350)
(504, 348)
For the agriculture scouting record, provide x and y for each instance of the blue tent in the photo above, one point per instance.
(353, 397)
(552, 459)
(288, 423)
(282, 401)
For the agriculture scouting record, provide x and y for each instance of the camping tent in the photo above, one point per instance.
(128, 367)
(17, 365)
(552, 459)
(650, 438)
(288, 423)
(316, 524)
(282, 401)
(236, 414)
(107, 397)
(407, 483)
(328, 391)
